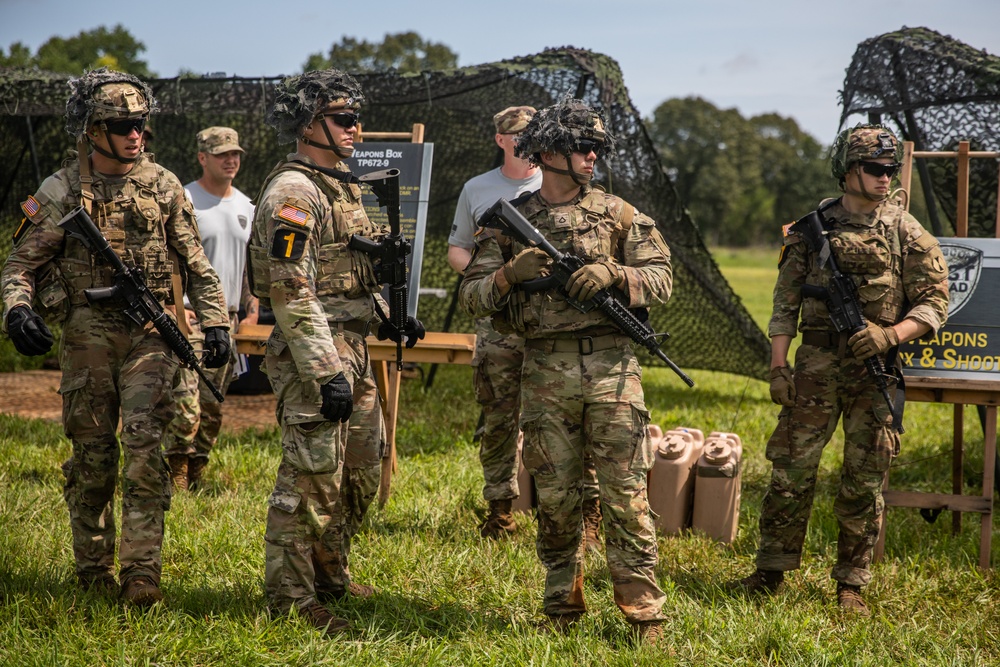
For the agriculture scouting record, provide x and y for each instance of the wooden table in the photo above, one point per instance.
(436, 348)
(960, 392)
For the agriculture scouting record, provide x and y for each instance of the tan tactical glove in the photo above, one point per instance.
(873, 340)
(525, 265)
(782, 386)
(590, 279)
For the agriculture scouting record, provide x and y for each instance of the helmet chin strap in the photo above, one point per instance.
(579, 179)
(341, 151)
(113, 153)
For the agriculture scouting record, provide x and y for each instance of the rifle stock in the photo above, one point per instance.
(503, 216)
(130, 290)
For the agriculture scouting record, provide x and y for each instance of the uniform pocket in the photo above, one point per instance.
(534, 456)
(779, 445)
(642, 443)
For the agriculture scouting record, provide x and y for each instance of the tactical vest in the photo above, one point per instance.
(133, 224)
(873, 256)
(589, 230)
(339, 269)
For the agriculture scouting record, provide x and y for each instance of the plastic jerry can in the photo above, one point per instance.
(672, 478)
(717, 487)
(525, 501)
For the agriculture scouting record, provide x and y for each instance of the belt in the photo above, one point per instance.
(822, 338)
(359, 327)
(583, 345)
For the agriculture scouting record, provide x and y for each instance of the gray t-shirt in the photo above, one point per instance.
(224, 225)
(479, 193)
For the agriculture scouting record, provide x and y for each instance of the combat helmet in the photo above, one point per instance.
(560, 127)
(300, 99)
(101, 95)
(864, 141)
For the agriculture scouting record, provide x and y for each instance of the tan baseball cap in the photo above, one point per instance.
(215, 140)
(513, 119)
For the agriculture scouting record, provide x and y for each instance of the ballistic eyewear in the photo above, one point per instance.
(878, 170)
(344, 119)
(124, 127)
(586, 146)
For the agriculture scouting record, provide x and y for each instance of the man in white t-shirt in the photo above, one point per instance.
(498, 356)
(224, 215)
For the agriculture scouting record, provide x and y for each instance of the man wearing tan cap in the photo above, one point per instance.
(224, 215)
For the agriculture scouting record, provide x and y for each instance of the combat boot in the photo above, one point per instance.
(178, 471)
(849, 598)
(320, 618)
(102, 584)
(560, 624)
(648, 633)
(195, 471)
(500, 522)
(141, 592)
(592, 524)
(761, 582)
(353, 590)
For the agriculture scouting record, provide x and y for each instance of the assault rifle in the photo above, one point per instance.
(388, 255)
(130, 290)
(503, 216)
(841, 298)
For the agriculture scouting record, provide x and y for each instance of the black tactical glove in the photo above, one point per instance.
(338, 399)
(27, 330)
(217, 347)
(413, 330)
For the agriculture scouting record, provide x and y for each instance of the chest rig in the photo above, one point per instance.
(872, 254)
(339, 270)
(130, 215)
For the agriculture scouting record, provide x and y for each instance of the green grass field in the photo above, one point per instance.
(446, 597)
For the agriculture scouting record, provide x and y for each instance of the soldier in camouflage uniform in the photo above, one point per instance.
(111, 366)
(903, 286)
(581, 389)
(323, 295)
(499, 349)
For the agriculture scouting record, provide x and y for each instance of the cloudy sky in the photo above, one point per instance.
(783, 56)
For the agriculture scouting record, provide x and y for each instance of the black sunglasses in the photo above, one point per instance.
(878, 170)
(124, 127)
(586, 146)
(345, 119)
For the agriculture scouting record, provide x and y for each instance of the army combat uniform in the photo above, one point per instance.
(111, 366)
(321, 293)
(900, 273)
(582, 393)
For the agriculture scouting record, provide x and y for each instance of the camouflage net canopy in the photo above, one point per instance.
(710, 328)
(937, 91)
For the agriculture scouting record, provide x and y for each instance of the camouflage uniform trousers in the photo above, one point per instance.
(327, 479)
(109, 365)
(573, 405)
(828, 387)
(195, 427)
(497, 382)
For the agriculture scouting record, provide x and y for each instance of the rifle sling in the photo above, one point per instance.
(343, 176)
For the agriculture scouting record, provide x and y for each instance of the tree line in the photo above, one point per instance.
(741, 178)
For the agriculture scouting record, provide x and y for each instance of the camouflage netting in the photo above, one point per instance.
(710, 328)
(937, 91)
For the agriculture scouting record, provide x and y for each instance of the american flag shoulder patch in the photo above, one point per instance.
(293, 214)
(30, 206)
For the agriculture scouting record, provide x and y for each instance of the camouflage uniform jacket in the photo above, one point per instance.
(301, 266)
(897, 266)
(143, 214)
(595, 226)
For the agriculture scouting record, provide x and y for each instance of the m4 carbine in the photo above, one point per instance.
(841, 298)
(130, 290)
(503, 216)
(388, 255)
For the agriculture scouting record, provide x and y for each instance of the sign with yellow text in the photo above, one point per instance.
(968, 345)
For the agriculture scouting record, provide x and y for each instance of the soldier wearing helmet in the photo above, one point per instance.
(581, 390)
(111, 367)
(324, 296)
(902, 283)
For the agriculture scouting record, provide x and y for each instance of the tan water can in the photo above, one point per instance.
(672, 478)
(717, 487)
